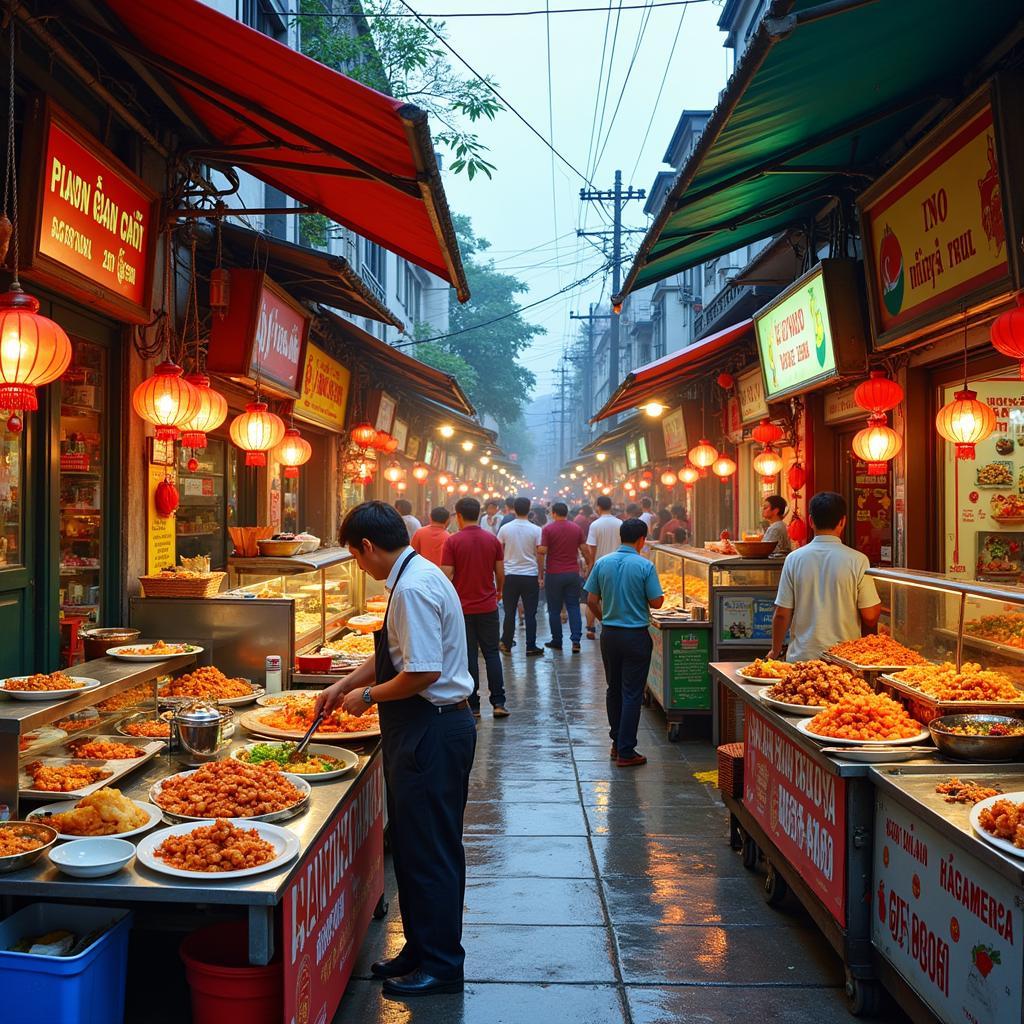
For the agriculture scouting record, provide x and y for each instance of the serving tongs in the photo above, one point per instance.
(300, 747)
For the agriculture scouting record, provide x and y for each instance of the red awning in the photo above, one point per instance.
(363, 159)
(654, 379)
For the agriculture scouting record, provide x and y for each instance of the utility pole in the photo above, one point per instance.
(618, 198)
(561, 417)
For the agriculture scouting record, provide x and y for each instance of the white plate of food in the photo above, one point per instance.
(273, 700)
(146, 725)
(880, 753)
(293, 723)
(277, 753)
(785, 708)
(98, 811)
(233, 702)
(838, 741)
(1005, 845)
(278, 845)
(156, 651)
(18, 686)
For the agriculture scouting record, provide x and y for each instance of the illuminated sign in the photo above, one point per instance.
(325, 389)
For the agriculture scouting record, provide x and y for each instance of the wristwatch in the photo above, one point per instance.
(367, 697)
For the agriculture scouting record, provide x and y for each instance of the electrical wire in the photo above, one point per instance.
(592, 167)
(597, 90)
(551, 131)
(327, 15)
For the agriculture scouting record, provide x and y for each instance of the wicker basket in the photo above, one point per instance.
(169, 586)
(730, 769)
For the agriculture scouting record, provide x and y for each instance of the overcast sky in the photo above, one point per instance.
(518, 209)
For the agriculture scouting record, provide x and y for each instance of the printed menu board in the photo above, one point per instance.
(679, 662)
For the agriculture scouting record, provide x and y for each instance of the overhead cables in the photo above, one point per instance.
(500, 14)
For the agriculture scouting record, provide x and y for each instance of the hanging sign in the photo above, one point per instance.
(750, 392)
(262, 336)
(812, 332)
(631, 455)
(161, 551)
(642, 454)
(674, 430)
(400, 430)
(325, 390)
(732, 423)
(94, 230)
(840, 406)
(935, 227)
(385, 418)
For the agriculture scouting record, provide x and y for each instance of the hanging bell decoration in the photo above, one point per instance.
(166, 498)
(256, 431)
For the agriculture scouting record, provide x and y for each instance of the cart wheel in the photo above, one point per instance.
(863, 996)
(775, 887)
(381, 910)
(675, 731)
(646, 700)
(735, 833)
(750, 853)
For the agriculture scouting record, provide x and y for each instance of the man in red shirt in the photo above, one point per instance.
(676, 523)
(429, 540)
(474, 561)
(584, 518)
(563, 542)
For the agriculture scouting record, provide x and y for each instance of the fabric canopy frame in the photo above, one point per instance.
(824, 91)
(361, 158)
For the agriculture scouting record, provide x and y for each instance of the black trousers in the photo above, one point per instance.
(518, 588)
(626, 654)
(427, 760)
(482, 638)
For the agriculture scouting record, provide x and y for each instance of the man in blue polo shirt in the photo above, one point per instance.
(621, 589)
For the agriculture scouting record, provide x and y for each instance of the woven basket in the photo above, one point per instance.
(168, 586)
(730, 769)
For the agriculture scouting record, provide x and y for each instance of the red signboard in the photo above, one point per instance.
(801, 807)
(95, 225)
(328, 905)
(262, 336)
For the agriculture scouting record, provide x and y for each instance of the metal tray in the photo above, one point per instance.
(118, 770)
(142, 742)
(926, 707)
(852, 666)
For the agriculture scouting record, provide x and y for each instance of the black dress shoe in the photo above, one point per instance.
(419, 983)
(394, 967)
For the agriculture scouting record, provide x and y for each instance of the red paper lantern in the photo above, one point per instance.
(420, 472)
(256, 431)
(876, 444)
(293, 451)
(768, 464)
(166, 400)
(166, 498)
(363, 435)
(797, 530)
(1007, 333)
(669, 479)
(767, 433)
(723, 467)
(703, 454)
(878, 393)
(796, 476)
(34, 351)
(393, 472)
(689, 476)
(212, 412)
(726, 381)
(965, 421)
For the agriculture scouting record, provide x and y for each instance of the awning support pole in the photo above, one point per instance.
(779, 28)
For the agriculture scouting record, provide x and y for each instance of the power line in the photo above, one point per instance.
(592, 167)
(327, 15)
(551, 132)
(597, 88)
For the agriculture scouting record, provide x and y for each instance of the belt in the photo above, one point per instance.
(443, 709)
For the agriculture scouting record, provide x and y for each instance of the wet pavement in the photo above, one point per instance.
(601, 894)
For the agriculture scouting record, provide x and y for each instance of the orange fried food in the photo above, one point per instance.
(107, 812)
(77, 724)
(876, 649)
(297, 716)
(767, 668)
(871, 717)
(957, 792)
(227, 789)
(817, 684)
(39, 681)
(150, 728)
(159, 647)
(13, 841)
(208, 681)
(972, 682)
(217, 847)
(1003, 819)
(63, 778)
(107, 750)
(127, 699)
(1007, 628)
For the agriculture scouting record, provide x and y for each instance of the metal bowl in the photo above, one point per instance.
(47, 835)
(977, 748)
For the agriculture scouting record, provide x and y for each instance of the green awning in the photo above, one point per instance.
(814, 104)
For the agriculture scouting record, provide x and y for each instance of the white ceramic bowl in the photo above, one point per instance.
(92, 858)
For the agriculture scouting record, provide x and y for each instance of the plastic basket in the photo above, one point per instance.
(730, 769)
(170, 586)
(84, 989)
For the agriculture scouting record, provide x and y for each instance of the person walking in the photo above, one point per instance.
(428, 540)
(825, 595)
(674, 531)
(492, 520)
(621, 590)
(562, 543)
(602, 539)
(773, 511)
(524, 576)
(647, 514)
(659, 523)
(584, 518)
(404, 509)
(418, 678)
(472, 560)
(510, 512)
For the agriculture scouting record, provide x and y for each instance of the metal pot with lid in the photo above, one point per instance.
(97, 641)
(197, 730)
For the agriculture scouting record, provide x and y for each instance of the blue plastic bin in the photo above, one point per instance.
(84, 989)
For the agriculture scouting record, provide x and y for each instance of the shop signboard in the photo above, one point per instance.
(947, 922)
(325, 390)
(400, 430)
(412, 447)
(631, 462)
(841, 408)
(385, 418)
(262, 337)
(160, 545)
(938, 227)
(732, 423)
(94, 229)
(619, 469)
(812, 332)
(745, 617)
(428, 453)
(642, 455)
(679, 668)
(328, 905)
(801, 807)
(673, 428)
(750, 393)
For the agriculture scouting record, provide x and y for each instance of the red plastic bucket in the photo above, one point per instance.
(226, 988)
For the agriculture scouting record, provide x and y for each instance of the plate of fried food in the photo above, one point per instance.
(810, 687)
(108, 748)
(41, 737)
(156, 651)
(972, 684)
(999, 821)
(224, 848)
(107, 812)
(319, 762)
(146, 725)
(275, 700)
(51, 775)
(865, 720)
(230, 789)
(46, 686)
(876, 653)
(127, 698)
(212, 684)
(290, 722)
(764, 669)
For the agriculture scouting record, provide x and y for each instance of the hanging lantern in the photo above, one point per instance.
(192, 465)
(726, 381)
(797, 529)
(797, 477)
(256, 431)
(965, 421)
(463, 488)
(1007, 333)
(387, 443)
(420, 472)
(212, 412)
(393, 472)
(166, 400)
(450, 489)
(166, 498)
(293, 451)
(703, 454)
(876, 444)
(689, 476)
(34, 351)
(363, 435)
(669, 479)
(767, 433)
(15, 424)
(443, 480)
(723, 467)
(220, 291)
(878, 393)
(644, 484)
(768, 464)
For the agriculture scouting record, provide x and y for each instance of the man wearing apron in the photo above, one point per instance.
(419, 678)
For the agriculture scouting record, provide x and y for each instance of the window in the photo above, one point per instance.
(374, 266)
(261, 15)
(413, 297)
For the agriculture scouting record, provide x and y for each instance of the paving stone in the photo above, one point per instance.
(521, 791)
(692, 1005)
(497, 818)
(542, 954)
(540, 857)
(516, 768)
(650, 791)
(651, 857)
(533, 901)
(669, 772)
(678, 820)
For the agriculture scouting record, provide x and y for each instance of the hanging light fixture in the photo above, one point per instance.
(220, 278)
(688, 476)
(723, 467)
(653, 409)
(601, 456)
(1007, 333)
(212, 411)
(485, 460)
(797, 529)
(446, 430)
(293, 451)
(166, 400)
(467, 446)
(463, 488)
(669, 479)
(767, 433)
(443, 479)
(644, 484)
(965, 421)
(393, 472)
(363, 435)
(420, 472)
(450, 489)
(876, 444)
(256, 431)
(387, 443)
(768, 464)
(703, 454)
(878, 393)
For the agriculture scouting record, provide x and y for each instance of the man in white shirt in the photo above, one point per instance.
(602, 539)
(492, 519)
(420, 679)
(647, 515)
(524, 576)
(825, 595)
(404, 509)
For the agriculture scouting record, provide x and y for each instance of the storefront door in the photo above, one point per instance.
(868, 500)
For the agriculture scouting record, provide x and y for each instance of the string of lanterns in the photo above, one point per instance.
(877, 444)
